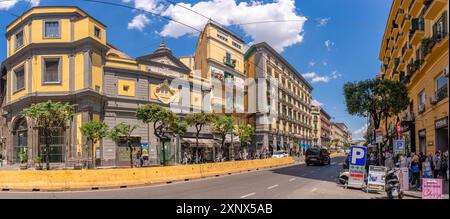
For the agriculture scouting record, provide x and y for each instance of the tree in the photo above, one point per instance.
(223, 125)
(245, 133)
(123, 132)
(48, 117)
(198, 120)
(378, 100)
(94, 131)
(165, 123)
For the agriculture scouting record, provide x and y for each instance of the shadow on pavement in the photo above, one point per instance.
(329, 173)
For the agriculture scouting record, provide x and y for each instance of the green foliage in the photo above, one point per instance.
(245, 132)
(23, 157)
(121, 131)
(200, 119)
(223, 125)
(38, 159)
(165, 122)
(49, 114)
(94, 131)
(376, 98)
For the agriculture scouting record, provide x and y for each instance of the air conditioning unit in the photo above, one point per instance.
(433, 99)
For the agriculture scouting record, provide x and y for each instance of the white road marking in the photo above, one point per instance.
(341, 163)
(334, 163)
(314, 189)
(271, 187)
(250, 194)
(291, 179)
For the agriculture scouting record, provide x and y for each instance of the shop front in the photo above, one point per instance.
(441, 128)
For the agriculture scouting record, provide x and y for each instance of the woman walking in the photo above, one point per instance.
(415, 169)
(426, 169)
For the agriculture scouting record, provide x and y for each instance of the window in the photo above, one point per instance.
(51, 29)
(57, 148)
(421, 99)
(222, 36)
(236, 45)
(441, 88)
(51, 70)
(19, 39)
(126, 88)
(97, 32)
(19, 76)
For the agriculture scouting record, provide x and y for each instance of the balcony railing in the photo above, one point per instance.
(441, 93)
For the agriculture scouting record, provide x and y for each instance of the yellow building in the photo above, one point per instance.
(415, 50)
(62, 54)
(288, 95)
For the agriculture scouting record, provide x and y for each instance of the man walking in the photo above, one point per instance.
(437, 164)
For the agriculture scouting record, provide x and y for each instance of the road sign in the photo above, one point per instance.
(379, 135)
(357, 163)
(399, 147)
(376, 179)
(358, 155)
(432, 188)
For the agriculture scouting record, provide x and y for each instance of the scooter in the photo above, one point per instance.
(393, 185)
(343, 176)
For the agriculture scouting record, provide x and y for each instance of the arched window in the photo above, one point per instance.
(20, 136)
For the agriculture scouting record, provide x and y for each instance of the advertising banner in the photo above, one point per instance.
(376, 180)
(357, 163)
(431, 188)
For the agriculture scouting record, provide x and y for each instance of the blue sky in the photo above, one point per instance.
(339, 41)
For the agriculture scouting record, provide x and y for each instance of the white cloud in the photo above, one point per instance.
(317, 103)
(138, 22)
(309, 75)
(147, 5)
(329, 44)
(34, 3)
(229, 12)
(322, 22)
(362, 130)
(312, 63)
(6, 5)
(315, 78)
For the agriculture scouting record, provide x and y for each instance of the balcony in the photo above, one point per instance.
(402, 38)
(417, 31)
(441, 94)
(407, 23)
(415, 7)
(433, 8)
(407, 51)
(402, 65)
(405, 4)
(400, 16)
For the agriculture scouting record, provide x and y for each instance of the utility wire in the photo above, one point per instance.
(142, 10)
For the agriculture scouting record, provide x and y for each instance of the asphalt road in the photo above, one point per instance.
(292, 182)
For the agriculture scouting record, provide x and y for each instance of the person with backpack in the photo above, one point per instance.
(415, 169)
(437, 164)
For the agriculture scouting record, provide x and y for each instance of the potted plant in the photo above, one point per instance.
(23, 156)
(38, 161)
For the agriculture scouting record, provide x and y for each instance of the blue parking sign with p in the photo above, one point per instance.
(358, 155)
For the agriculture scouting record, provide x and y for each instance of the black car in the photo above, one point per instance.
(317, 156)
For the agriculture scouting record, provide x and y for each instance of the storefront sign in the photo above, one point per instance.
(432, 189)
(376, 179)
(357, 163)
(441, 123)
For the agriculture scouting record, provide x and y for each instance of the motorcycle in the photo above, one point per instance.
(393, 185)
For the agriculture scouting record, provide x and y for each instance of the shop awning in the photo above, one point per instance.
(202, 142)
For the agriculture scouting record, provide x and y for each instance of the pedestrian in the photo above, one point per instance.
(373, 158)
(403, 162)
(1, 160)
(437, 164)
(389, 162)
(426, 169)
(444, 166)
(415, 169)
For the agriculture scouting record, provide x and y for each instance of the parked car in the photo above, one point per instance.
(317, 156)
(279, 154)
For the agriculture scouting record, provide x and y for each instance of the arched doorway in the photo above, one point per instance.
(20, 138)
